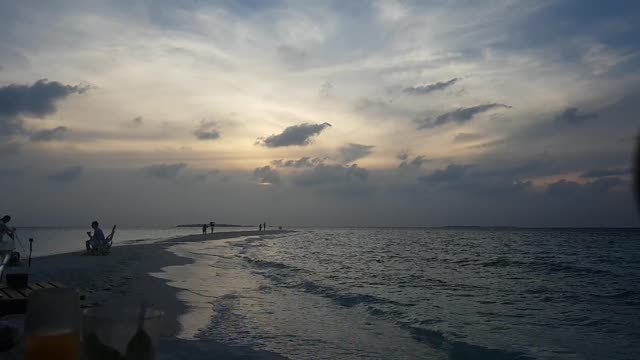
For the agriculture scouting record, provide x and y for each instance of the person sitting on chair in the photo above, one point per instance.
(97, 238)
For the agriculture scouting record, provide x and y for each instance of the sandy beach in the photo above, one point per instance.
(123, 279)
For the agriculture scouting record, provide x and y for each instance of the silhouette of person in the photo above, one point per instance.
(4, 228)
(212, 225)
(204, 229)
(260, 227)
(264, 226)
(98, 236)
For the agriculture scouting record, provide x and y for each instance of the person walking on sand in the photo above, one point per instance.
(204, 229)
(212, 225)
(96, 238)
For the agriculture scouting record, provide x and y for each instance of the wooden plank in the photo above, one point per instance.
(13, 294)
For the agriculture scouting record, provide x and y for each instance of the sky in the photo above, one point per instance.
(319, 113)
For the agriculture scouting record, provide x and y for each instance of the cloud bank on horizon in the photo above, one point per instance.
(402, 113)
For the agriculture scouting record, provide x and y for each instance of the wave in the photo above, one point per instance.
(458, 350)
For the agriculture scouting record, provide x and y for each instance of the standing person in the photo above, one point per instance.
(212, 225)
(96, 238)
(204, 229)
(6, 229)
(264, 226)
(260, 227)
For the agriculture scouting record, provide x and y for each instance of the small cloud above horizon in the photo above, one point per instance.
(296, 135)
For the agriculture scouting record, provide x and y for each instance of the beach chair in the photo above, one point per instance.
(103, 247)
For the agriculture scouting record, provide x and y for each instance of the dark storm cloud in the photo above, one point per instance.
(425, 89)
(352, 152)
(459, 116)
(68, 174)
(332, 174)
(299, 135)
(56, 133)
(266, 175)
(207, 131)
(415, 163)
(597, 173)
(165, 171)
(572, 117)
(450, 173)
(303, 162)
(467, 137)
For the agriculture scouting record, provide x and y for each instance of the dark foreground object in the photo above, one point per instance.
(14, 300)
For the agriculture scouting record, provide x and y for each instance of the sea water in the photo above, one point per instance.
(417, 293)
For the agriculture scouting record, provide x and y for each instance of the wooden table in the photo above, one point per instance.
(14, 300)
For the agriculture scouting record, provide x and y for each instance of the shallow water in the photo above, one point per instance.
(418, 293)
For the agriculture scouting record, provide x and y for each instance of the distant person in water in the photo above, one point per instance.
(204, 229)
(264, 226)
(212, 225)
(260, 227)
(96, 238)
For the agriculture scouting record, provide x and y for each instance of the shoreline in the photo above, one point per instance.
(123, 279)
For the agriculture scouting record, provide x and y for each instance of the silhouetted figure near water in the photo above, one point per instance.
(4, 228)
(260, 227)
(264, 226)
(212, 225)
(95, 239)
(204, 229)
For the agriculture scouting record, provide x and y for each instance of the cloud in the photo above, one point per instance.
(292, 57)
(299, 135)
(165, 171)
(303, 162)
(403, 155)
(459, 116)
(564, 188)
(56, 133)
(67, 174)
(10, 148)
(450, 173)
(206, 175)
(332, 174)
(266, 175)
(467, 137)
(37, 100)
(352, 152)
(415, 163)
(425, 89)
(207, 131)
(135, 122)
(570, 116)
(597, 173)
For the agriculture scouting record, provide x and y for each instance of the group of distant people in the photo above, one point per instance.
(262, 227)
(212, 226)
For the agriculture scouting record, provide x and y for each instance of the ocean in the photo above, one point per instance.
(418, 293)
(449, 293)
